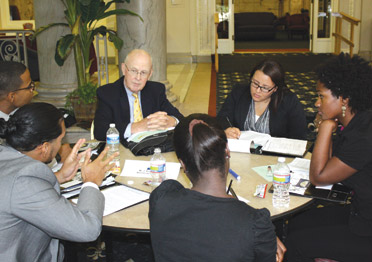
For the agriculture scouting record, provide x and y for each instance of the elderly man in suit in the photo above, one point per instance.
(133, 103)
(33, 214)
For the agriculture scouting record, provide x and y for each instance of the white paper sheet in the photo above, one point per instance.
(285, 146)
(300, 168)
(120, 197)
(300, 163)
(238, 145)
(140, 168)
(258, 138)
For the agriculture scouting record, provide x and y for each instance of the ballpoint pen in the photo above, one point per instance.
(237, 177)
(229, 122)
(228, 189)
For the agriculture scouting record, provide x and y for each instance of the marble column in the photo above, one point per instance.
(55, 81)
(149, 34)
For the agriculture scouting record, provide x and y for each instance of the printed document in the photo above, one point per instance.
(120, 197)
(141, 168)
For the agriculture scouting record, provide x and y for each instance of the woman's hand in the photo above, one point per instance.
(280, 250)
(232, 132)
(71, 164)
(329, 124)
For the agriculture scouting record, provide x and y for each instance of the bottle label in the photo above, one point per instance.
(112, 139)
(155, 168)
(281, 179)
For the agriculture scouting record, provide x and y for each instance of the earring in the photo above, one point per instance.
(343, 108)
(227, 157)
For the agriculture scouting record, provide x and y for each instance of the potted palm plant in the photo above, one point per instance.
(82, 17)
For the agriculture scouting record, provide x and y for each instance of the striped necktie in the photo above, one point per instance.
(137, 113)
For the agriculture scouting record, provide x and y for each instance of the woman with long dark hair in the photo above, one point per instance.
(204, 223)
(340, 232)
(264, 105)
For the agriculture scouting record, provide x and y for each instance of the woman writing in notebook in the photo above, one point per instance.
(340, 232)
(264, 105)
(204, 223)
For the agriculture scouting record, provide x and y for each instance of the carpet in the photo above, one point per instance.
(116, 247)
(281, 41)
(291, 62)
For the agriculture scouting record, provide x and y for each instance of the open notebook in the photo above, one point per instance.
(254, 142)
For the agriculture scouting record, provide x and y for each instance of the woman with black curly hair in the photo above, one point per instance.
(340, 232)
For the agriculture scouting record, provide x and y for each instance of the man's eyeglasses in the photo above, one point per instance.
(31, 87)
(135, 72)
(263, 88)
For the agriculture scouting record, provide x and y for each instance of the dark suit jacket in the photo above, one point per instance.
(289, 120)
(113, 106)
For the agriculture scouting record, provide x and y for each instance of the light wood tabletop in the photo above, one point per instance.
(135, 218)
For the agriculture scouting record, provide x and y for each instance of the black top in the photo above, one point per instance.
(187, 225)
(289, 120)
(353, 146)
(113, 106)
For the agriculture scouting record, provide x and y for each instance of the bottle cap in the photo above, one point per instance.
(281, 159)
(157, 150)
(112, 125)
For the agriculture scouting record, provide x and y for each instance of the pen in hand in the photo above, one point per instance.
(232, 132)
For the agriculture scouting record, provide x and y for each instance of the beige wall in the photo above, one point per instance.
(366, 30)
(257, 6)
(178, 26)
(25, 8)
(352, 8)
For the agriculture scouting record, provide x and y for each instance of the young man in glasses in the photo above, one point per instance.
(133, 102)
(16, 87)
(16, 90)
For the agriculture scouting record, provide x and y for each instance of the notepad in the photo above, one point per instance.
(269, 144)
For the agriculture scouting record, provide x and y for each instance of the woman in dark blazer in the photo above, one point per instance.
(264, 105)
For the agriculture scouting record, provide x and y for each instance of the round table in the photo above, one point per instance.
(135, 218)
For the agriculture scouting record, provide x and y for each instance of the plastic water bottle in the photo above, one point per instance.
(113, 142)
(281, 182)
(157, 167)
